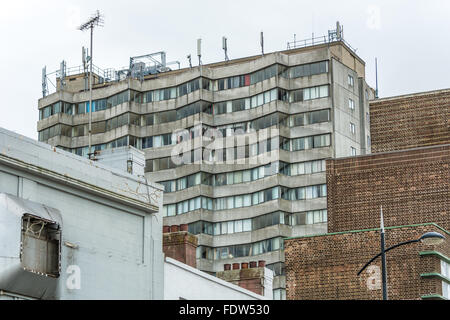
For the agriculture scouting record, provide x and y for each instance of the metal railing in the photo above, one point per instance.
(105, 75)
(80, 69)
(315, 41)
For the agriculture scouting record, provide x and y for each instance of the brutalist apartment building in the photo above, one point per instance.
(239, 145)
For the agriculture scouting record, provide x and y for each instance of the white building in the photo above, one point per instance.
(71, 228)
(185, 282)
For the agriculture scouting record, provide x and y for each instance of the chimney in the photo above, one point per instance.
(180, 245)
(256, 279)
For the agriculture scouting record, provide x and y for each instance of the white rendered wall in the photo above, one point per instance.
(108, 231)
(184, 282)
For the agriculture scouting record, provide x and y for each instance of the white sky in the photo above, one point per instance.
(409, 38)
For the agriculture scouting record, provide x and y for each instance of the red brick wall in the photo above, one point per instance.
(413, 186)
(326, 267)
(411, 121)
(251, 279)
(253, 285)
(181, 246)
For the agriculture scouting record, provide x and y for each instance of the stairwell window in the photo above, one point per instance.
(351, 81)
(352, 128)
(351, 104)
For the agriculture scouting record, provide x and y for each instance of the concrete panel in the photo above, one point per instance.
(9, 183)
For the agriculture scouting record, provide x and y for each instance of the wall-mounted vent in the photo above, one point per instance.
(40, 246)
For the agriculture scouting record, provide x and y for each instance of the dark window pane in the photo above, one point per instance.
(315, 68)
(221, 84)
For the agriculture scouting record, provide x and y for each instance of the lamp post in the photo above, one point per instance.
(429, 238)
(383, 257)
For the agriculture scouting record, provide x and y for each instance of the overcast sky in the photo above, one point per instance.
(409, 38)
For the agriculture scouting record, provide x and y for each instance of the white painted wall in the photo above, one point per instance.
(184, 282)
(109, 230)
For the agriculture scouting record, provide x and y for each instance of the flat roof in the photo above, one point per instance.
(372, 229)
(254, 57)
(390, 152)
(55, 164)
(410, 95)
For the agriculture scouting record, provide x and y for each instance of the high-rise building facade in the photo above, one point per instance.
(239, 145)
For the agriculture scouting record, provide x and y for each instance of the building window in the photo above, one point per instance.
(351, 104)
(353, 151)
(308, 217)
(278, 268)
(351, 81)
(279, 294)
(306, 70)
(368, 141)
(352, 128)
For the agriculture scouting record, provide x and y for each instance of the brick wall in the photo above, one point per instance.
(410, 121)
(181, 246)
(413, 186)
(251, 279)
(325, 267)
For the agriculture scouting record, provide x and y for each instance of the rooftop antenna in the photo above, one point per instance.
(62, 73)
(190, 62)
(84, 54)
(338, 31)
(225, 48)
(376, 79)
(94, 21)
(44, 81)
(262, 43)
(199, 51)
(288, 44)
(84, 59)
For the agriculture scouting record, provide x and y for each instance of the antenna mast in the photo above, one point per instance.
(262, 43)
(94, 21)
(44, 82)
(199, 51)
(225, 47)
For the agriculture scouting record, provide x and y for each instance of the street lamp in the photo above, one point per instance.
(428, 238)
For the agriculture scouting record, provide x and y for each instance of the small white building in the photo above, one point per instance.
(72, 228)
(183, 282)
